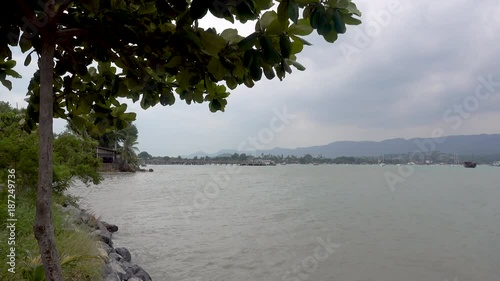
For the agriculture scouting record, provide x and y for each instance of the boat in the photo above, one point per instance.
(469, 164)
(496, 164)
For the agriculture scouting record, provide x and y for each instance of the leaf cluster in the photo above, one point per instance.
(155, 51)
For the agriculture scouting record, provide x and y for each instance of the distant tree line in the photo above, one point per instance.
(434, 157)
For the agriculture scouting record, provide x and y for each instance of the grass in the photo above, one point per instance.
(77, 249)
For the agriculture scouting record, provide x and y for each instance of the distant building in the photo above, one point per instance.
(110, 158)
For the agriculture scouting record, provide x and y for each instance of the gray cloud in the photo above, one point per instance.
(423, 62)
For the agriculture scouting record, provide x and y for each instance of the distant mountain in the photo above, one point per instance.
(462, 145)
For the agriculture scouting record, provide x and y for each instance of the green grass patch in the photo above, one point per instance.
(77, 249)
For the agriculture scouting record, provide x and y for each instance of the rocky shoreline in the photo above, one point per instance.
(118, 261)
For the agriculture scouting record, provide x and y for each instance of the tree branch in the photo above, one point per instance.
(64, 5)
(26, 10)
(70, 32)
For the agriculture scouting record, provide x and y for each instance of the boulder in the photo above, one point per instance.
(106, 247)
(116, 257)
(110, 227)
(103, 236)
(140, 273)
(112, 277)
(124, 253)
(102, 254)
(118, 268)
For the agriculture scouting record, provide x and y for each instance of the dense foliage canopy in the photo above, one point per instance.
(74, 156)
(155, 51)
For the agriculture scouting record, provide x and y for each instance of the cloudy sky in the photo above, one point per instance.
(412, 69)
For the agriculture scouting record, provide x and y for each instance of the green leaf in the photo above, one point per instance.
(293, 12)
(348, 19)
(304, 41)
(279, 72)
(13, 73)
(199, 9)
(318, 18)
(283, 11)
(267, 18)
(167, 98)
(338, 22)
(10, 64)
(297, 65)
(306, 13)
(255, 70)
(276, 27)
(285, 66)
(128, 117)
(331, 36)
(341, 4)
(263, 4)
(231, 83)
(268, 49)
(304, 2)
(231, 35)
(216, 69)
(245, 10)
(211, 42)
(7, 84)
(297, 46)
(249, 41)
(215, 105)
(285, 46)
(352, 8)
(78, 121)
(268, 71)
(302, 27)
(25, 43)
(147, 8)
(91, 5)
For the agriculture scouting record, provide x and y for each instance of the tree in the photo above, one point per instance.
(144, 155)
(74, 156)
(128, 151)
(147, 50)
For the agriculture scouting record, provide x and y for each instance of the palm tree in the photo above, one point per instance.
(128, 150)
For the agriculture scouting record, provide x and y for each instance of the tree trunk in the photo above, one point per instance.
(43, 227)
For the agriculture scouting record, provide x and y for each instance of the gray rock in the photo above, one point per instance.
(100, 225)
(110, 227)
(106, 269)
(103, 236)
(106, 247)
(124, 253)
(116, 257)
(85, 217)
(118, 268)
(140, 273)
(135, 279)
(112, 277)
